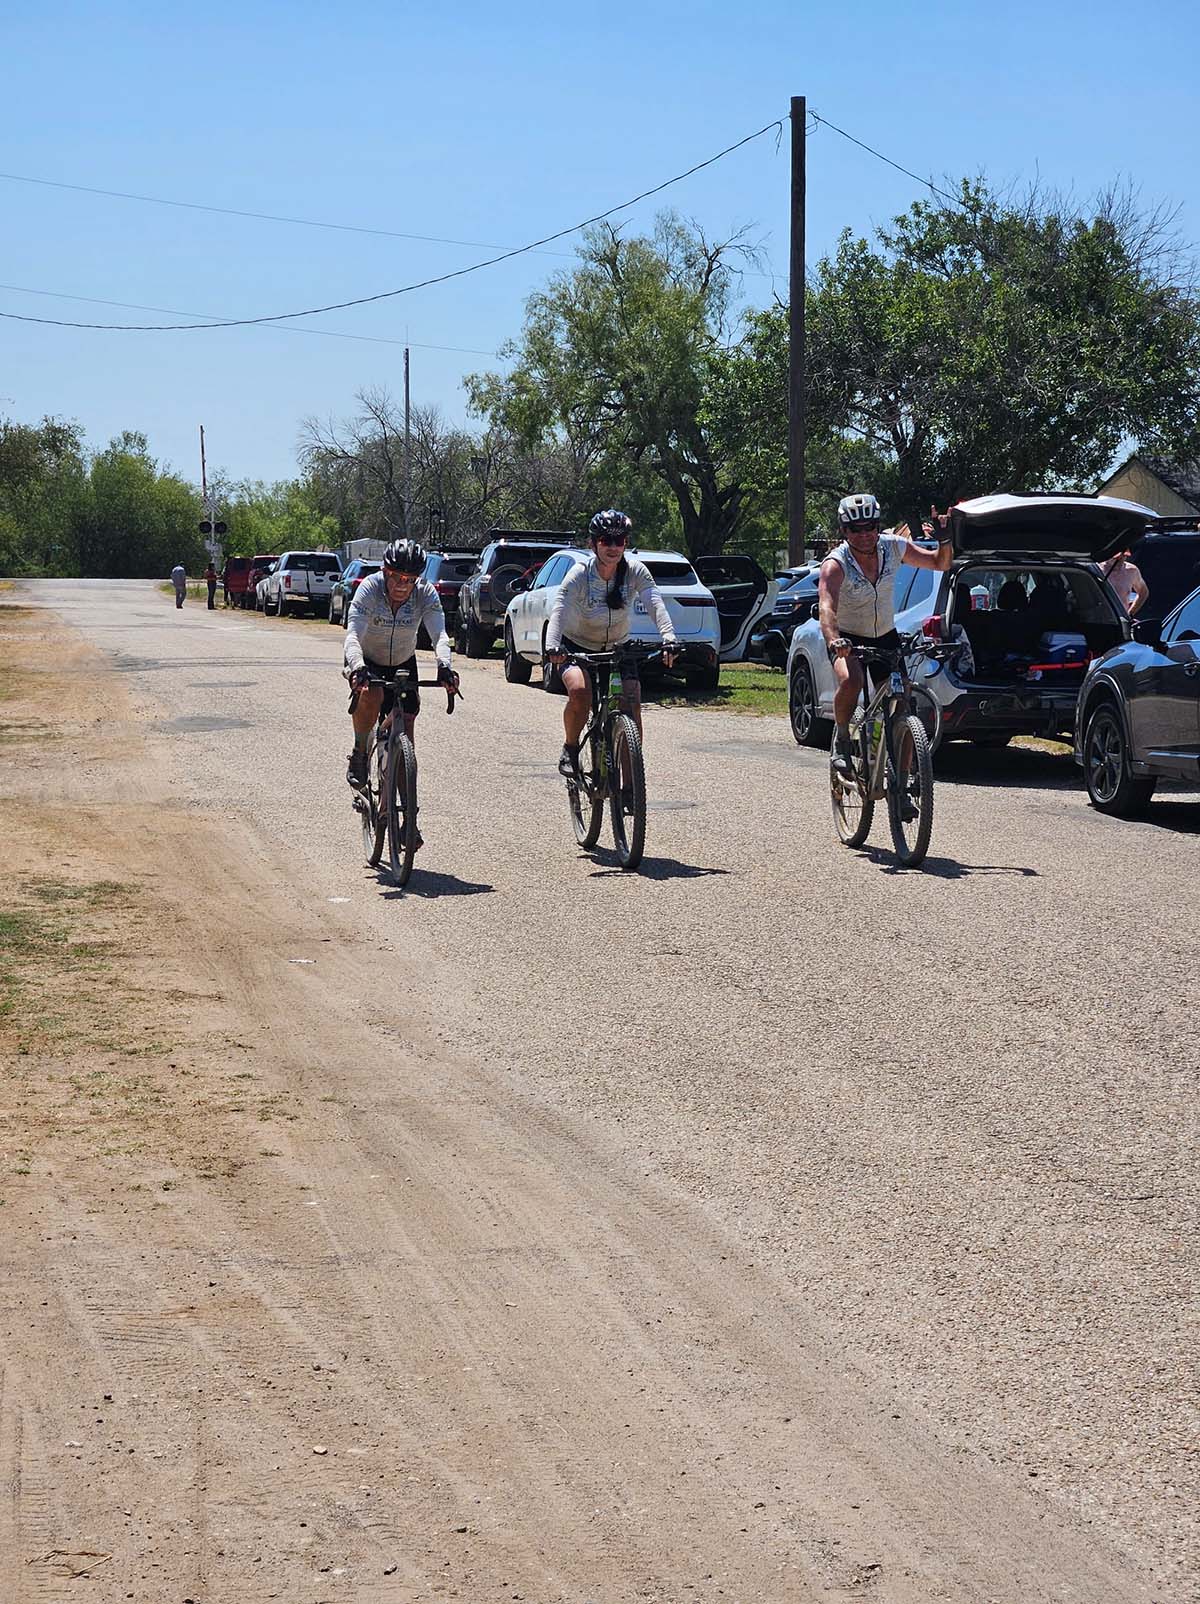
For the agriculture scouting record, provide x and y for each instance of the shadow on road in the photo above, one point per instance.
(432, 885)
(1180, 814)
(652, 868)
(944, 868)
(961, 763)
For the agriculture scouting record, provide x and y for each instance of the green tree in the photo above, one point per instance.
(613, 366)
(990, 346)
(136, 520)
(42, 483)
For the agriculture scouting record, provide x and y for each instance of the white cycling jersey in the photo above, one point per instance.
(388, 636)
(582, 613)
(867, 607)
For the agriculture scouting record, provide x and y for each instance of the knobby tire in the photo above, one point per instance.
(910, 790)
(373, 814)
(587, 812)
(853, 805)
(401, 807)
(627, 792)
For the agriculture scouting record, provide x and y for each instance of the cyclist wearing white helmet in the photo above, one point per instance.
(857, 598)
(385, 616)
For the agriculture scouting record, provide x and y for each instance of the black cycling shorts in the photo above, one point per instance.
(630, 666)
(410, 697)
(886, 643)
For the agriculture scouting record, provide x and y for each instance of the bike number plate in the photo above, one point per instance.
(897, 684)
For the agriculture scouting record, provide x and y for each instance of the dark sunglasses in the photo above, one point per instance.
(612, 540)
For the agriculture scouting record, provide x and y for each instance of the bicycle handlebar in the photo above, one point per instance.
(377, 682)
(647, 654)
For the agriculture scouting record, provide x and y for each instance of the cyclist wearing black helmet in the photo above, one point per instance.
(381, 641)
(591, 614)
(857, 599)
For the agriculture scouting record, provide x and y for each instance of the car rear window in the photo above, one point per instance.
(315, 562)
(455, 567)
(672, 573)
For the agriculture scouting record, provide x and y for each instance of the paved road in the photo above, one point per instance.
(956, 1107)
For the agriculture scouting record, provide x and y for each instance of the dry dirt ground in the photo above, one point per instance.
(410, 1339)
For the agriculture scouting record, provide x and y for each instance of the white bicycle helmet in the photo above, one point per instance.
(860, 509)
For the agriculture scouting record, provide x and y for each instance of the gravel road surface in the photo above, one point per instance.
(948, 1115)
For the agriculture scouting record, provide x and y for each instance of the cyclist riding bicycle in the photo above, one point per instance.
(591, 614)
(381, 641)
(857, 599)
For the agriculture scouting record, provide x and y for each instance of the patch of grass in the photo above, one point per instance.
(747, 688)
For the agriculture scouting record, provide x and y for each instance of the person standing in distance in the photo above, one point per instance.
(210, 579)
(179, 580)
(857, 599)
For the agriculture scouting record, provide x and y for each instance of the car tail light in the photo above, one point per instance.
(444, 587)
(932, 627)
(287, 581)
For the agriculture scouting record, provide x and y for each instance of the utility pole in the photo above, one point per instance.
(210, 527)
(797, 398)
(407, 452)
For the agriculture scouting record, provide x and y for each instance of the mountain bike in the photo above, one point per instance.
(610, 760)
(890, 755)
(387, 803)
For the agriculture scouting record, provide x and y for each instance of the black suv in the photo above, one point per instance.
(485, 595)
(1168, 555)
(446, 571)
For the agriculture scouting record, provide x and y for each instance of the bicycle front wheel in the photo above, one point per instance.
(586, 807)
(369, 803)
(627, 791)
(853, 804)
(401, 808)
(910, 790)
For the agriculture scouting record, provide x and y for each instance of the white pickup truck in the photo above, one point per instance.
(301, 576)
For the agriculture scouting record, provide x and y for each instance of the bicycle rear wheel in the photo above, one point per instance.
(853, 804)
(369, 807)
(587, 809)
(401, 784)
(910, 790)
(627, 792)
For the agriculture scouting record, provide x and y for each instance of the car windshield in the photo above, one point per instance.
(672, 572)
(316, 562)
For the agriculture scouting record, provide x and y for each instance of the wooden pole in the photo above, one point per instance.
(407, 453)
(797, 400)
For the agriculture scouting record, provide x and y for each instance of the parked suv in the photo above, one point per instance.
(447, 571)
(342, 593)
(1138, 718)
(1026, 604)
(1168, 555)
(495, 580)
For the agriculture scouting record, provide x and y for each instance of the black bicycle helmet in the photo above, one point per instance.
(610, 522)
(406, 556)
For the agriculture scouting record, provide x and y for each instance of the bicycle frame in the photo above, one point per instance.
(597, 732)
(892, 700)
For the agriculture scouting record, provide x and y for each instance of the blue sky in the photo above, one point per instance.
(477, 123)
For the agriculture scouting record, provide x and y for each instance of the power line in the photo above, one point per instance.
(927, 183)
(407, 289)
(174, 311)
(264, 217)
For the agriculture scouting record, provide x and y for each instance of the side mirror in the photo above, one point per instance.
(815, 610)
(1146, 630)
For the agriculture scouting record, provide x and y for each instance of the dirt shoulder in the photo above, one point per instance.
(298, 1305)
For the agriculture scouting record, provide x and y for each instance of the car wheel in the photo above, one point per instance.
(517, 671)
(1111, 785)
(478, 640)
(808, 727)
(551, 673)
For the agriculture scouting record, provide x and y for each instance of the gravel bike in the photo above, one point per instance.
(387, 803)
(890, 755)
(610, 760)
